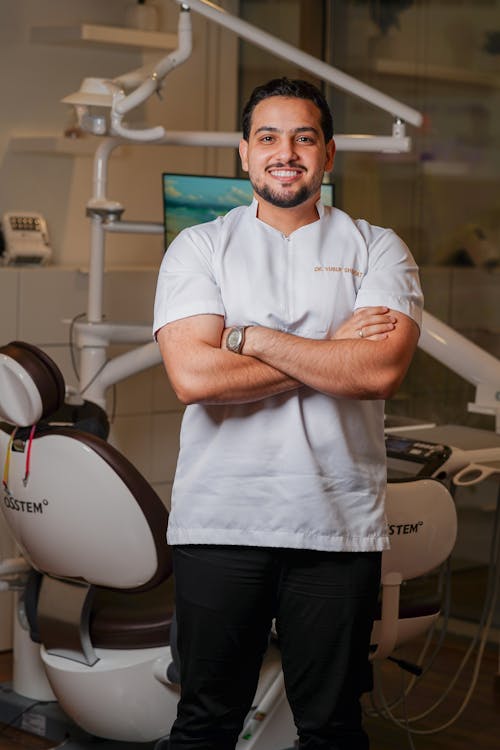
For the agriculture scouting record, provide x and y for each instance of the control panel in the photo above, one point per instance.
(410, 457)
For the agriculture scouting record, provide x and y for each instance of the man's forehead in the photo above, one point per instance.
(273, 113)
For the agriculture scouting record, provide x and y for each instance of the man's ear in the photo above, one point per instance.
(330, 155)
(243, 149)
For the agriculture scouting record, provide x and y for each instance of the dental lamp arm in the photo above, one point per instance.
(157, 71)
(304, 60)
(123, 103)
(145, 134)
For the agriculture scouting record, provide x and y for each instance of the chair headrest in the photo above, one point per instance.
(31, 384)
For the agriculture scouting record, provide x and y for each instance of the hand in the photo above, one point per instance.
(372, 323)
(224, 337)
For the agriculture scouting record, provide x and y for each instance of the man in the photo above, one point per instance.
(283, 326)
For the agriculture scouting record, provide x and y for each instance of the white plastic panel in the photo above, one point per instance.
(118, 698)
(20, 402)
(422, 525)
(76, 518)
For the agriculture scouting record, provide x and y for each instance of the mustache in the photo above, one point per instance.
(287, 165)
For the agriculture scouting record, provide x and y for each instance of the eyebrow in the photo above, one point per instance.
(271, 129)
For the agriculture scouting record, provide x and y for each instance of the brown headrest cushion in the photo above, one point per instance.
(42, 369)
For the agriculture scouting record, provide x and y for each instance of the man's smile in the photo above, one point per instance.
(283, 173)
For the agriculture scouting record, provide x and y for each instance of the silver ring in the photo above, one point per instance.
(360, 333)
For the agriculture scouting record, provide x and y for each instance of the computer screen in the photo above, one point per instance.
(193, 199)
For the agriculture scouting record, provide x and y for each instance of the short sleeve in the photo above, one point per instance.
(392, 277)
(186, 284)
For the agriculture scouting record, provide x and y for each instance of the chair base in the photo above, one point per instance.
(119, 698)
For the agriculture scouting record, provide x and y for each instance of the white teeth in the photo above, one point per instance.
(284, 173)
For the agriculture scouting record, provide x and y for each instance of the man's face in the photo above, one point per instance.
(286, 155)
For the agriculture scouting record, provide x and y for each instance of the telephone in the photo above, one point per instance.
(25, 239)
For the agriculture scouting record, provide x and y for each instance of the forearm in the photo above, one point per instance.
(347, 368)
(221, 377)
(203, 372)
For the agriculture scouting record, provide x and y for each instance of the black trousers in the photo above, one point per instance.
(323, 603)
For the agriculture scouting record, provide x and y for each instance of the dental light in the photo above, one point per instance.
(93, 93)
(141, 84)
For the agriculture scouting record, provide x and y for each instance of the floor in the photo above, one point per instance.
(478, 728)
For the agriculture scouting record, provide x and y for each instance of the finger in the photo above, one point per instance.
(376, 337)
(376, 310)
(370, 330)
(387, 315)
(374, 320)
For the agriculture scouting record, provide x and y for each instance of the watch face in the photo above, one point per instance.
(234, 339)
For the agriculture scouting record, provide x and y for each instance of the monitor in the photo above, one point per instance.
(193, 199)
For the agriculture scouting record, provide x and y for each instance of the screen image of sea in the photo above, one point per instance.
(195, 199)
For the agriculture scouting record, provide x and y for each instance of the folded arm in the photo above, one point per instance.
(201, 371)
(347, 367)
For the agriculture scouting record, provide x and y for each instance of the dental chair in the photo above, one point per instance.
(93, 530)
(100, 597)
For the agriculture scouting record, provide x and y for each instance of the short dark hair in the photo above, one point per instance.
(290, 88)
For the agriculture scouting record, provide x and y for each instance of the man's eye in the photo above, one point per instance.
(266, 139)
(304, 139)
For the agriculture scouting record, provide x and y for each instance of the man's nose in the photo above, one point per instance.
(287, 151)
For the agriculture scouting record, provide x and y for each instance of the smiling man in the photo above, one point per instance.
(283, 326)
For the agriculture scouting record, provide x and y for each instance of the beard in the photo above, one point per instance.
(281, 198)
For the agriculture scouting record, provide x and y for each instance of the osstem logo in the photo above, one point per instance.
(399, 529)
(23, 506)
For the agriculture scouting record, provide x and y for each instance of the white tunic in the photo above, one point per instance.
(301, 469)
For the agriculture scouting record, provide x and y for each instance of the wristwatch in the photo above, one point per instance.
(235, 339)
